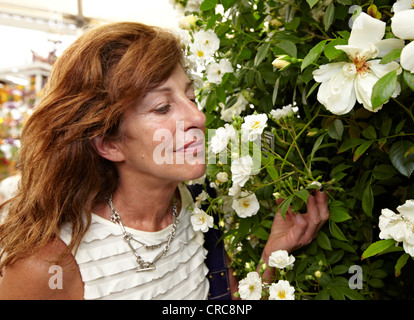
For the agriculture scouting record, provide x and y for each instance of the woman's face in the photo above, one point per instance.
(163, 134)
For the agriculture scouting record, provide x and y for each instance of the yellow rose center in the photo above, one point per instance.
(256, 125)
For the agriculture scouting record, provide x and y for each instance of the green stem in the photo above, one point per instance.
(300, 133)
(405, 108)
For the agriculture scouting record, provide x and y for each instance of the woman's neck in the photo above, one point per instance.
(143, 206)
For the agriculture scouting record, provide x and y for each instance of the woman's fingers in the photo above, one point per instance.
(322, 204)
(317, 214)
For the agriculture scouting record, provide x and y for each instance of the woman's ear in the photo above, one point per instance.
(108, 149)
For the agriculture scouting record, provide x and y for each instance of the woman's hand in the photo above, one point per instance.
(297, 230)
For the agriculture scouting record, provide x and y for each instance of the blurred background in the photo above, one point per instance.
(33, 34)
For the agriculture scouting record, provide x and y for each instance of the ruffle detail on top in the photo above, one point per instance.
(107, 265)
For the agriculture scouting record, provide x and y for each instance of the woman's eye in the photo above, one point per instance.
(163, 109)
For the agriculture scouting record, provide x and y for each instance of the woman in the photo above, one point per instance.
(98, 215)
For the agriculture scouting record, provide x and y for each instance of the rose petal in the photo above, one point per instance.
(402, 24)
(351, 51)
(407, 57)
(401, 5)
(407, 210)
(337, 94)
(387, 45)
(363, 90)
(381, 70)
(327, 71)
(366, 30)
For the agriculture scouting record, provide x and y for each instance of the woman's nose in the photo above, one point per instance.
(193, 117)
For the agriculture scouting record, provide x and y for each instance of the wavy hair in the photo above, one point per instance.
(102, 73)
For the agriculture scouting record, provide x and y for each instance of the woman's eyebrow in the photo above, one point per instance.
(189, 84)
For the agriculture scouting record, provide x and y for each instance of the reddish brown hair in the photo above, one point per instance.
(62, 177)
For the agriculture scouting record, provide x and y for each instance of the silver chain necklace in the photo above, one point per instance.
(142, 264)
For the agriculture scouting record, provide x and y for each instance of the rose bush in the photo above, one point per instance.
(321, 88)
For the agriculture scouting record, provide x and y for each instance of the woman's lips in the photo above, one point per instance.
(192, 146)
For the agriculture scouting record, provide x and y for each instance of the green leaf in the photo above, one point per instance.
(409, 79)
(288, 46)
(275, 91)
(352, 294)
(303, 194)
(313, 54)
(401, 263)
(386, 126)
(261, 53)
(338, 234)
(285, 206)
(376, 283)
(377, 247)
(208, 4)
(339, 168)
(259, 81)
(383, 89)
(339, 214)
(316, 146)
(404, 164)
(369, 133)
(368, 200)
(328, 17)
(211, 102)
(383, 172)
(323, 241)
(391, 56)
(340, 269)
(212, 21)
(342, 245)
(323, 295)
(361, 149)
(337, 293)
(243, 229)
(272, 172)
(261, 233)
(336, 129)
(228, 3)
(331, 52)
(312, 3)
(350, 143)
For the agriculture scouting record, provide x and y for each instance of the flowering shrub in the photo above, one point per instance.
(324, 89)
(16, 103)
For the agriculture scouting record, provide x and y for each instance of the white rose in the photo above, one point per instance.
(246, 205)
(250, 288)
(253, 126)
(241, 170)
(281, 259)
(201, 221)
(222, 177)
(281, 291)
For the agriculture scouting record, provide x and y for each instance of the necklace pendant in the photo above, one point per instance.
(144, 265)
(139, 269)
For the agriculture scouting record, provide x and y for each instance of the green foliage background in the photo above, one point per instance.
(364, 160)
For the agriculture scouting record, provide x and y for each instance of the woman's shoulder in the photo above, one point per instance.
(40, 277)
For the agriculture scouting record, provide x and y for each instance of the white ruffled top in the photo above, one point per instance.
(107, 264)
